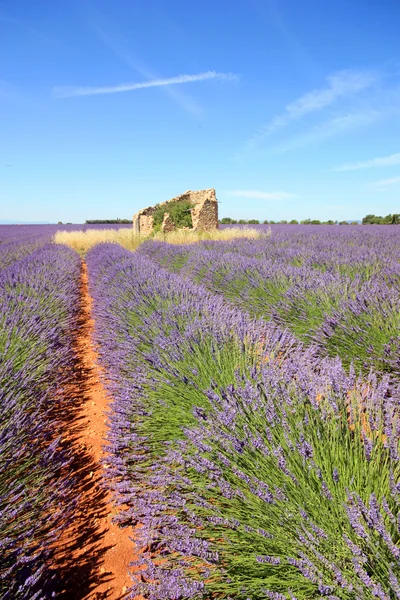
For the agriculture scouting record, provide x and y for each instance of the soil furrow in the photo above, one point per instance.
(93, 554)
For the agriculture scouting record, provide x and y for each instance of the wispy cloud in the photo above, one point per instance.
(382, 161)
(340, 85)
(345, 122)
(385, 182)
(72, 91)
(119, 48)
(26, 29)
(276, 16)
(276, 195)
(329, 129)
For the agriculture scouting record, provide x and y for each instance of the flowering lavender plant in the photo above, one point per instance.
(39, 296)
(336, 289)
(255, 468)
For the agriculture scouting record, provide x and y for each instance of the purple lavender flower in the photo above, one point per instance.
(272, 560)
(217, 485)
(39, 301)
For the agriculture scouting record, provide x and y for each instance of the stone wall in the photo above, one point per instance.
(146, 223)
(204, 212)
(205, 215)
(167, 224)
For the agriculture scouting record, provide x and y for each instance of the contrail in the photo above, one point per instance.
(72, 91)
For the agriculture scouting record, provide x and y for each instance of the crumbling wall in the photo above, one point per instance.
(167, 224)
(204, 213)
(146, 224)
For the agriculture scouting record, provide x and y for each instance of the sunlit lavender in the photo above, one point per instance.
(39, 294)
(255, 419)
(256, 465)
(335, 287)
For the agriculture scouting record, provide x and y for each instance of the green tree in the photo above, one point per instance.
(388, 220)
(107, 221)
(371, 220)
(391, 219)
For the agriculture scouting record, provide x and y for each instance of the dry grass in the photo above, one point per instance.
(185, 236)
(81, 241)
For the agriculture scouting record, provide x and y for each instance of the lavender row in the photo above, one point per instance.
(18, 241)
(355, 315)
(39, 299)
(255, 469)
(15, 244)
(273, 494)
(155, 315)
(350, 250)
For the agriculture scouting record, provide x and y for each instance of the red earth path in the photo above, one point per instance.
(93, 554)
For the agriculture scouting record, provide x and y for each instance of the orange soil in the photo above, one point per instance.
(93, 555)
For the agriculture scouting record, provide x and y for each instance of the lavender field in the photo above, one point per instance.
(255, 418)
(38, 310)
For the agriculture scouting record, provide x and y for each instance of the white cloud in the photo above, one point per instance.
(345, 123)
(276, 195)
(340, 85)
(329, 129)
(383, 161)
(385, 182)
(72, 91)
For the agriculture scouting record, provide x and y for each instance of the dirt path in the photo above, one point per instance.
(94, 554)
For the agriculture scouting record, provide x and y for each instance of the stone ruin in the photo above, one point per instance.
(204, 213)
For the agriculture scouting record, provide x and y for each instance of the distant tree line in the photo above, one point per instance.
(388, 220)
(107, 221)
(229, 221)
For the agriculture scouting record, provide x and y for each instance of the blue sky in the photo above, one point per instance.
(290, 109)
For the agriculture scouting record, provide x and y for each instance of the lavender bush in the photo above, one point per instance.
(147, 330)
(18, 241)
(39, 300)
(273, 494)
(322, 283)
(255, 469)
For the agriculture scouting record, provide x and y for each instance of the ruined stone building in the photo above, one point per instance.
(204, 213)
